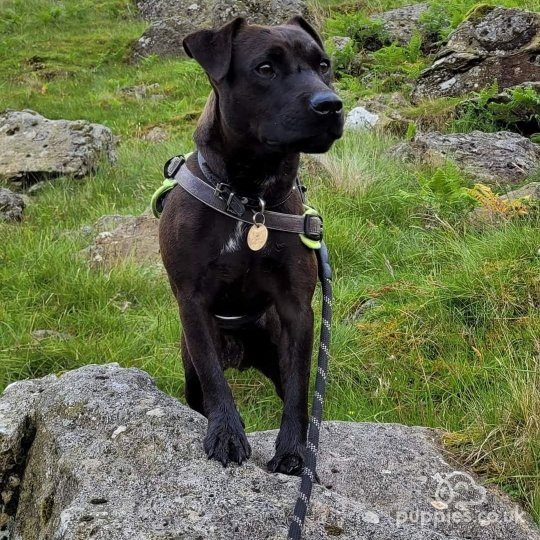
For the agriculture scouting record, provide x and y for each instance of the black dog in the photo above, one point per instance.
(271, 100)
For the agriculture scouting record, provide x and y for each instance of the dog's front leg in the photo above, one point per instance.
(225, 439)
(295, 348)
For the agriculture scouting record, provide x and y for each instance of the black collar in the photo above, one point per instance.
(223, 186)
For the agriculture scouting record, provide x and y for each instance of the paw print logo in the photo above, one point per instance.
(460, 489)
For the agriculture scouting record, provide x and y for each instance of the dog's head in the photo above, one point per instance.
(273, 83)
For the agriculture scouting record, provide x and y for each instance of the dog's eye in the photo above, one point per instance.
(265, 70)
(324, 66)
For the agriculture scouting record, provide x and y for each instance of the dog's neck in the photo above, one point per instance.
(246, 165)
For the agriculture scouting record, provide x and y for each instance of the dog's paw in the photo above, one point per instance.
(226, 440)
(287, 463)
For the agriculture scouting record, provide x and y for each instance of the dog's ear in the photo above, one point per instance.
(213, 48)
(298, 20)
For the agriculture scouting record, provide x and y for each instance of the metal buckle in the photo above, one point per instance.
(221, 188)
(235, 206)
(310, 235)
(229, 201)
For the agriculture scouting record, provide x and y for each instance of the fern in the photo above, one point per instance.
(396, 59)
(442, 191)
(486, 112)
(442, 17)
(343, 58)
(507, 208)
(414, 48)
(524, 103)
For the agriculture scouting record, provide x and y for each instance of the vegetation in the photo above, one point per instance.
(518, 111)
(452, 337)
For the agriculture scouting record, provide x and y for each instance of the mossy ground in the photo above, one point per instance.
(453, 340)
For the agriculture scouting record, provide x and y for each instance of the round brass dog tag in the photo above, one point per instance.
(257, 237)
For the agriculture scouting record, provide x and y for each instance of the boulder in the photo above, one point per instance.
(143, 91)
(172, 20)
(400, 24)
(492, 44)
(529, 191)
(155, 135)
(100, 453)
(11, 205)
(164, 38)
(361, 118)
(497, 158)
(33, 147)
(123, 238)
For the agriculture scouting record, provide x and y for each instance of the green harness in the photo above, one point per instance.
(159, 196)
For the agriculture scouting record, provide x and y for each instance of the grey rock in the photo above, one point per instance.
(164, 38)
(33, 147)
(172, 20)
(123, 238)
(40, 335)
(11, 205)
(400, 24)
(492, 44)
(100, 453)
(340, 42)
(529, 191)
(156, 135)
(361, 118)
(499, 158)
(141, 91)
(154, 10)
(16, 435)
(367, 305)
(385, 103)
(86, 230)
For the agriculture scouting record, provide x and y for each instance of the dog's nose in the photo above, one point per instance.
(325, 103)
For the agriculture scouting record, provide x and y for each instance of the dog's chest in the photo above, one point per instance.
(236, 240)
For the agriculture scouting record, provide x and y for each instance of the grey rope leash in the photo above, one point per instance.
(310, 462)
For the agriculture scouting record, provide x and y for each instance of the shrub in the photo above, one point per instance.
(367, 33)
(442, 192)
(442, 18)
(343, 57)
(393, 66)
(517, 109)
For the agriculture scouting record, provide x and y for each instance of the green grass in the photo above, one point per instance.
(451, 342)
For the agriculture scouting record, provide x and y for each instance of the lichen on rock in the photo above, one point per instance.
(100, 453)
(491, 45)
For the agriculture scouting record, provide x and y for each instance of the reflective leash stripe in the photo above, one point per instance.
(310, 462)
